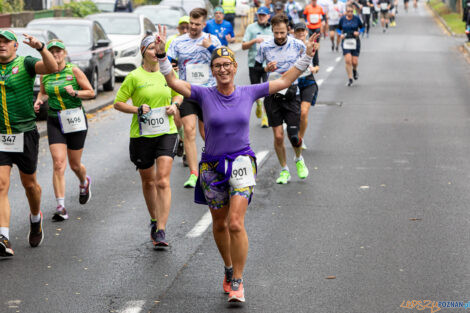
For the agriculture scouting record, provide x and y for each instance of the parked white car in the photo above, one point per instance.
(126, 31)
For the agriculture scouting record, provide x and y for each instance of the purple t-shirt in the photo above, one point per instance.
(227, 118)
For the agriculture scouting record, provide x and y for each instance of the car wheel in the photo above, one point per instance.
(109, 85)
(94, 81)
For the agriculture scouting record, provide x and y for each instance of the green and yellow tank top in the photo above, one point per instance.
(16, 94)
(54, 84)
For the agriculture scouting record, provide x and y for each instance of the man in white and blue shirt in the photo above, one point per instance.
(280, 54)
(293, 9)
(193, 52)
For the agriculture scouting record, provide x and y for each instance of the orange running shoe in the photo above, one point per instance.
(237, 293)
(228, 280)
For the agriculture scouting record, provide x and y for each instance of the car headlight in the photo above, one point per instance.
(130, 52)
(82, 63)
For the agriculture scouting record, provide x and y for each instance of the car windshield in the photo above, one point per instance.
(163, 16)
(25, 50)
(118, 25)
(105, 6)
(72, 35)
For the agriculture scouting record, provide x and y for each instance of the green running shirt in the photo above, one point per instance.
(16, 94)
(54, 84)
(146, 88)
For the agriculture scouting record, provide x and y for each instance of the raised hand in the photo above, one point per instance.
(160, 39)
(311, 47)
(32, 42)
(206, 42)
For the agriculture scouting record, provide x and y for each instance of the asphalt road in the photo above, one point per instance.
(383, 213)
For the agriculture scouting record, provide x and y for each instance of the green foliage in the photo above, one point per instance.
(453, 20)
(136, 3)
(9, 6)
(80, 9)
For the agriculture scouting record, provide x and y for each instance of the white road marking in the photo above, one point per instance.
(133, 306)
(338, 59)
(206, 220)
(320, 82)
(201, 226)
(330, 69)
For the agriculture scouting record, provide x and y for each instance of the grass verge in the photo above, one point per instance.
(453, 20)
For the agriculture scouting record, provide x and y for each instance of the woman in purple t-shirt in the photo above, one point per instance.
(228, 165)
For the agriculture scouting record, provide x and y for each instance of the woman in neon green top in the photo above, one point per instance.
(153, 134)
(66, 124)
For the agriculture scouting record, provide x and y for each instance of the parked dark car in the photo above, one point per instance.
(163, 15)
(25, 50)
(88, 46)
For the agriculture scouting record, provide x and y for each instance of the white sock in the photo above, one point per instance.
(297, 159)
(60, 202)
(35, 218)
(285, 168)
(228, 267)
(5, 231)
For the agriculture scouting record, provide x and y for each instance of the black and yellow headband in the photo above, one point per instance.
(223, 52)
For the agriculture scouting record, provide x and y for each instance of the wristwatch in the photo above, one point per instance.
(177, 104)
(42, 47)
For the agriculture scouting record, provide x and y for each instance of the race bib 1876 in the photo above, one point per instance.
(242, 173)
(155, 122)
(197, 74)
(274, 76)
(12, 142)
(72, 120)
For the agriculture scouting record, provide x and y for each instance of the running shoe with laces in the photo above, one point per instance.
(237, 292)
(228, 280)
(284, 177)
(5, 247)
(36, 234)
(302, 170)
(259, 109)
(160, 240)
(60, 214)
(153, 232)
(191, 182)
(85, 191)
(350, 82)
(264, 121)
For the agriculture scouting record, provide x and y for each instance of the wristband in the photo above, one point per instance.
(177, 105)
(211, 48)
(303, 62)
(42, 47)
(165, 66)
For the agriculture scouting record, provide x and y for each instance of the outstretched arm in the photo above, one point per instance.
(180, 86)
(294, 72)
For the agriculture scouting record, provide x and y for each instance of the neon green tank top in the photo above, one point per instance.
(54, 84)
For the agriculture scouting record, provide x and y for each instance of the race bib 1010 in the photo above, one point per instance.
(154, 122)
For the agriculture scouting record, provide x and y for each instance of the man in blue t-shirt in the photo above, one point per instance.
(220, 27)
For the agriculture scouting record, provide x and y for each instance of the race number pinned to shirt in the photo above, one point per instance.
(72, 120)
(274, 76)
(197, 74)
(265, 38)
(242, 173)
(366, 10)
(350, 44)
(314, 18)
(384, 6)
(334, 15)
(155, 122)
(12, 142)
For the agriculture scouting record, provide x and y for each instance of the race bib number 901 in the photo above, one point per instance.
(242, 173)
(197, 74)
(72, 120)
(12, 142)
(155, 122)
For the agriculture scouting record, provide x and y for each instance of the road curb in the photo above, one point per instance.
(466, 48)
(443, 22)
(95, 108)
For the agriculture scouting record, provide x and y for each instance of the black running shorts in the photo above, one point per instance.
(279, 110)
(257, 75)
(27, 161)
(144, 151)
(189, 107)
(74, 141)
